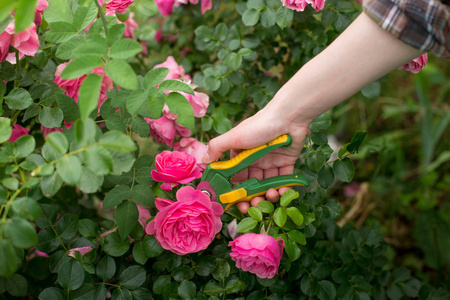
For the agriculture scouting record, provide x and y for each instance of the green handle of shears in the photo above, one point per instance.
(247, 157)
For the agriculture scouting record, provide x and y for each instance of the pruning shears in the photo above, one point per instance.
(216, 179)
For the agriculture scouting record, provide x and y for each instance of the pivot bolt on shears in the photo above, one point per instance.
(216, 179)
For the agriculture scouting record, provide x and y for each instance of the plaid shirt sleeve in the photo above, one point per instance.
(424, 24)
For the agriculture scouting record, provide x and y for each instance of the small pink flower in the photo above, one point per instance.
(27, 41)
(17, 132)
(46, 131)
(206, 5)
(130, 27)
(416, 64)
(316, 4)
(175, 71)
(82, 250)
(297, 5)
(144, 215)
(188, 225)
(259, 254)
(232, 229)
(119, 6)
(199, 102)
(174, 168)
(41, 5)
(192, 147)
(164, 129)
(165, 7)
(351, 189)
(71, 86)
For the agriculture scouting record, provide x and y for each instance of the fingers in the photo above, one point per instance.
(272, 195)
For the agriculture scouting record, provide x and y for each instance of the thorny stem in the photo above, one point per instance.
(102, 16)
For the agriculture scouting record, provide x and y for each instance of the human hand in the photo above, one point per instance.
(255, 131)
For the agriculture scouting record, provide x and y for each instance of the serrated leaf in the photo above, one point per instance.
(80, 66)
(58, 141)
(116, 196)
(60, 31)
(179, 105)
(155, 76)
(84, 16)
(18, 99)
(344, 169)
(117, 141)
(122, 74)
(127, 216)
(176, 85)
(125, 49)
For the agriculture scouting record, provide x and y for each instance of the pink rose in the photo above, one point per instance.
(165, 7)
(206, 4)
(192, 147)
(5, 41)
(199, 102)
(164, 129)
(416, 64)
(71, 86)
(27, 41)
(41, 5)
(175, 71)
(130, 27)
(297, 5)
(316, 4)
(82, 250)
(174, 168)
(259, 254)
(188, 225)
(144, 215)
(46, 131)
(119, 6)
(17, 132)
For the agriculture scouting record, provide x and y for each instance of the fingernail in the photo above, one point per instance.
(206, 159)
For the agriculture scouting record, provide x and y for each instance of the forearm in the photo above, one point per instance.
(361, 54)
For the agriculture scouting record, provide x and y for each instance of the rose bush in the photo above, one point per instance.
(107, 107)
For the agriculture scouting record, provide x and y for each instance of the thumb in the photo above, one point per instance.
(216, 147)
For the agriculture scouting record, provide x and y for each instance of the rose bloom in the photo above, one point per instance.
(416, 64)
(82, 250)
(17, 132)
(175, 71)
(259, 254)
(27, 42)
(164, 130)
(188, 225)
(41, 5)
(316, 4)
(297, 5)
(165, 7)
(192, 147)
(199, 102)
(144, 215)
(119, 6)
(174, 168)
(205, 6)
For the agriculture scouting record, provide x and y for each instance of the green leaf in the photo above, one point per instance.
(127, 216)
(344, 169)
(117, 141)
(48, 241)
(52, 293)
(99, 160)
(8, 258)
(122, 74)
(115, 246)
(24, 146)
(135, 101)
(155, 76)
(67, 49)
(284, 17)
(235, 285)
(315, 160)
(58, 141)
(292, 250)
(80, 66)
(256, 4)
(221, 271)
(5, 129)
(69, 107)
(179, 105)
(246, 224)
(255, 213)
(115, 33)
(125, 49)
(176, 85)
(60, 31)
(71, 275)
(288, 196)
(140, 126)
(222, 124)
(11, 183)
(51, 184)
(6, 7)
(280, 216)
(69, 168)
(327, 290)
(67, 226)
(187, 290)
(106, 268)
(221, 31)
(27, 208)
(51, 117)
(203, 33)
(295, 215)
(321, 123)
(88, 228)
(343, 6)
(143, 194)
(58, 11)
(250, 17)
(412, 288)
(84, 16)
(233, 61)
(85, 131)
(90, 182)
(116, 196)
(18, 99)
(297, 236)
(266, 207)
(356, 141)
(16, 285)
(332, 209)
(138, 253)
(132, 277)
(21, 232)
(326, 176)
(372, 91)
(89, 93)
(151, 247)
(212, 288)
(24, 15)
(211, 83)
(268, 17)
